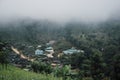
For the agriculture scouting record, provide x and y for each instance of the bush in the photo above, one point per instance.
(63, 72)
(41, 67)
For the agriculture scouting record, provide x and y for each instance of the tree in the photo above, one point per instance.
(62, 72)
(108, 53)
(86, 68)
(41, 67)
(97, 65)
(3, 55)
(116, 67)
(76, 59)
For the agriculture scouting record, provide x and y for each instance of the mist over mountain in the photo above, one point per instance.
(65, 39)
(34, 31)
(60, 11)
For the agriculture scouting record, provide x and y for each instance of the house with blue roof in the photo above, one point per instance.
(72, 50)
(39, 52)
(49, 49)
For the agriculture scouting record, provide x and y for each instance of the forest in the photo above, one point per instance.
(100, 42)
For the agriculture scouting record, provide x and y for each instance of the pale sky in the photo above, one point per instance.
(60, 10)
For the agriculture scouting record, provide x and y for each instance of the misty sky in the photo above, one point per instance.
(60, 10)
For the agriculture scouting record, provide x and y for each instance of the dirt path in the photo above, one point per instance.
(21, 54)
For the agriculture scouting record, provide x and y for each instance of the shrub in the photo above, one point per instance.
(41, 67)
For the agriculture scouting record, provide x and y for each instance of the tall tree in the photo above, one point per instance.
(97, 65)
(3, 54)
(116, 67)
(86, 68)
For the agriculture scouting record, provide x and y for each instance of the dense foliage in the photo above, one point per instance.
(40, 67)
(100, 41)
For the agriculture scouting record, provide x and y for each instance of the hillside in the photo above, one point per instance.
(13, 73)
(100, 43)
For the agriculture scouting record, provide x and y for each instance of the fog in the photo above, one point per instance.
(60, 10)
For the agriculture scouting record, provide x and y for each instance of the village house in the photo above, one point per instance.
(39, 52)
(49, 50)
(39, 46)
(72, 50)
(50, 43)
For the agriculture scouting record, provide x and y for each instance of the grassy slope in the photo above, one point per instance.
(13, 73)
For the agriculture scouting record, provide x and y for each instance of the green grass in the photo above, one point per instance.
(13, 73)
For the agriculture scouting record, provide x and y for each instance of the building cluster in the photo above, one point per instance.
(49, 50)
